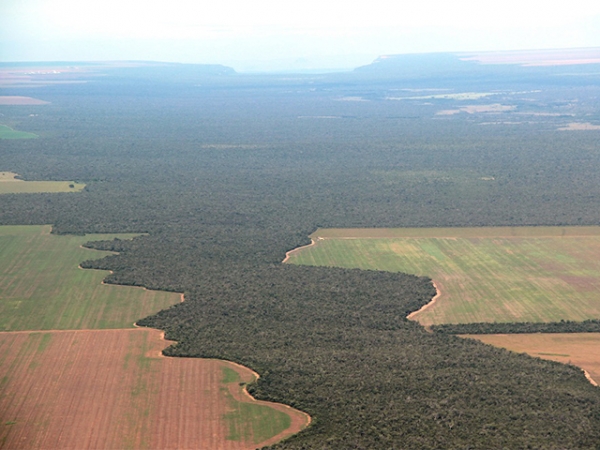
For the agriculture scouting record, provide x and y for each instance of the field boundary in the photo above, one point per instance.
(456, 232)
(10, 184)
(297, 249)
(572, 349)
(295, 426)
(544, 240)
(589, 377)
(293, 413)
(427, 305)
(298, 420)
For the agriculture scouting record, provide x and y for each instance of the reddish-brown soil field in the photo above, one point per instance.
(112, 389)
(18, 100)
(579, 349)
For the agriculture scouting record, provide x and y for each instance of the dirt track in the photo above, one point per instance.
(297, 249)
(426, 306)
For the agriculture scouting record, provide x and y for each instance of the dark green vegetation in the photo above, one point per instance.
(226, 173)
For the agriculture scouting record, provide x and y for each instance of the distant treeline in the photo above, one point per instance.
(564, 326)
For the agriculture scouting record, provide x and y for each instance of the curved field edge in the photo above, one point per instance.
(250, 420)
(113, 389)
(28, 252)
(439, 244)
(496, 274)
(577, 349)
(43, 288)
(353, 362)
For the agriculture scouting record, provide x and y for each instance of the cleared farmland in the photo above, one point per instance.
(113, 389)
(10, 185)
(258, 422)
(8, 133)
(42, 287)
(109, 388)
(535, 274)
(578, 349)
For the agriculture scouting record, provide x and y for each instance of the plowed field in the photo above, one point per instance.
(578, 349)
(112, 389)
(93, 388)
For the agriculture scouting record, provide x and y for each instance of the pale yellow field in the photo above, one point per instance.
(578, 349)
(10, 185)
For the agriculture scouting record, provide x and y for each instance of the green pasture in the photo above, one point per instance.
(528, 274)
(10, 185)
(251, 422)
(8, 133)
(43, 288)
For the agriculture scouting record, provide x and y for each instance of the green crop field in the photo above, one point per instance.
(110, 383)
(534, 274)
(250, 422)
(9, 133)
(10, 185)
(42, 287)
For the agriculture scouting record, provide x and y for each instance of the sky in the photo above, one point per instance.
(264, 35)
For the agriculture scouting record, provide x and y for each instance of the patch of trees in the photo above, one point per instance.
(226, 178)
(564, 326)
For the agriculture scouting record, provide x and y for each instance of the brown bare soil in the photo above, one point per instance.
(578, 349)
(19, 100)
(112, 389)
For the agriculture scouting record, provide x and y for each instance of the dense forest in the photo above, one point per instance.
(226, 172)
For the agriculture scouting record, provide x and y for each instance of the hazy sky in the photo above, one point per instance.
(275, 34)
